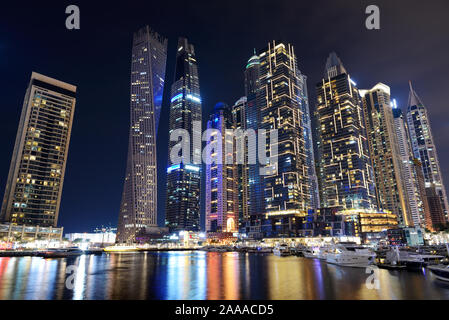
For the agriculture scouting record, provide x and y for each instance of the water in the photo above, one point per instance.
(205, 275)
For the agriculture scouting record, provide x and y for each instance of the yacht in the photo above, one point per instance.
(310, 252)
(322, 252)
(121, 248)
(410, 260)
(281, 250)
(350, 256)
(61, 253)
(440, 271)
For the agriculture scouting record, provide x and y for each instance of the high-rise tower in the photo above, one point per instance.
(36, 175)
(222, 180)
(415, 194)
(424, 149)
(345, 171)
(184, 177)
(138, 209)
(286, 183)
(385, 154)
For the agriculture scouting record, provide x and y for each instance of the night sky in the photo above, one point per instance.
(412, 44)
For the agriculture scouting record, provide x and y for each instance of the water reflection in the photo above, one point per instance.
(205, 275)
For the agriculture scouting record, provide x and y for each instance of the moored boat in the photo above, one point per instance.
(121, 248)
(440, 271)
(281, 250)
(61, 253)
(350, 256)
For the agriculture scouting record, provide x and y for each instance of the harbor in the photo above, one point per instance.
(201, 274)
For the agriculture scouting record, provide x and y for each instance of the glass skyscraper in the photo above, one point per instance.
(222, 180)
(346, 175)
(424, 149)
(286, 183)
(36, 175)
(184, 178)
(138, 208)
(384, 151)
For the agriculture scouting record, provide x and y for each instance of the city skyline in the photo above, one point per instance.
(110, 215)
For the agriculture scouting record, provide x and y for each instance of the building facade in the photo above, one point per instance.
(239, 122)
(385, 155)
(184, 176)
(36, 175)
(255, 191)
(424, 149)
(286, 183)
(415, 194)
(222, 179)
(345, 172)
(138, 208)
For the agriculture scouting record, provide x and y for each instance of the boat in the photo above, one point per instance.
(121, 248)
(440, 271)
(350, 256)
(310, 252)
(281, 250)
(322, 252)
(412, 261)
(61, 253)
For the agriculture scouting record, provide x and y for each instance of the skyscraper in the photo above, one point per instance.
(138, 208)
(222, 180)
(424, 149)
(239, 122)
(286, 183)
(385, 155)
(415, 197)
(36, 175)
(255, 192)
(346, 175)
(184, 178)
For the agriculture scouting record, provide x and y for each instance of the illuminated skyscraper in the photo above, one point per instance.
(239, 122)
(36, 175)
(184, 178)
(385, 154)
(138, 209)
(286, 183)
(222, 180)
(255, 192)
(346, 175)
(415, 194)
(424, 149)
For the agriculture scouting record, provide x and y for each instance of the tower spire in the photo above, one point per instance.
(413, 98)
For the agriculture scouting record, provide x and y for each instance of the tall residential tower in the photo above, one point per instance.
(36, 175)
(385, 155)
(424, 149)
(346, 175)
(138, 209)
(184, 177)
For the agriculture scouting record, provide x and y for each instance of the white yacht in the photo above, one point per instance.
(323, 251)
(350, 256)
(281, 250)
(310, 252)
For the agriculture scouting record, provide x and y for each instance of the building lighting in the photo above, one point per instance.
(178, 96)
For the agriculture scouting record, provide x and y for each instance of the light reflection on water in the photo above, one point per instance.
(201, 275)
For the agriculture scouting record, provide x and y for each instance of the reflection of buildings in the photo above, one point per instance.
(222, 181)
(138, 208)
(424, 149)
(36, 175)
(184, 177)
